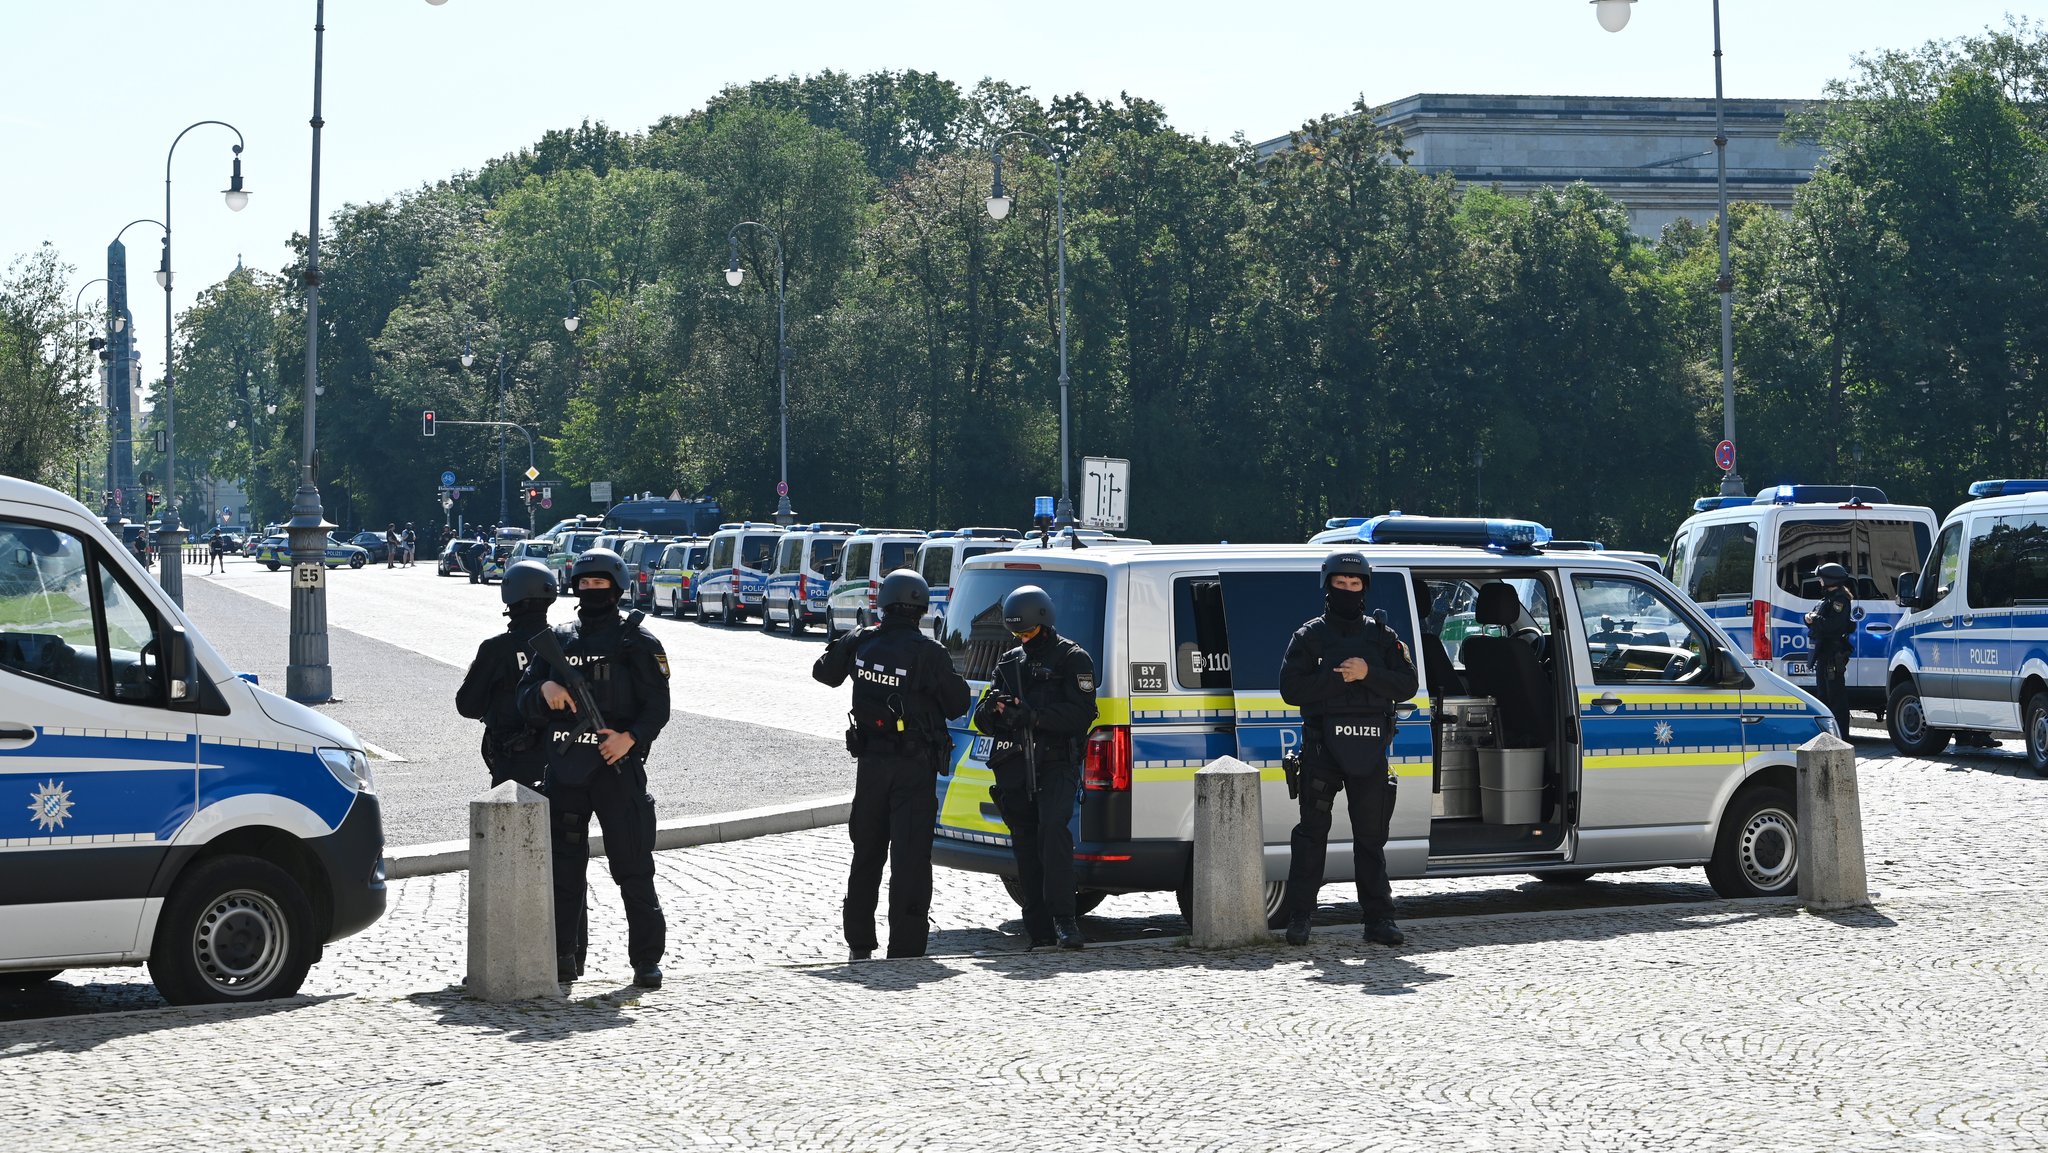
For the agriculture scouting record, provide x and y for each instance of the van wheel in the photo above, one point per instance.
(1756, 853)
(1085, 900)
(355, 560)
(1906, 721)
(767, 622)
(2036, 714)
(28, 978)
(726, 615)
(1275, 895)
(795, 621)
(271, 565)
(236, 929)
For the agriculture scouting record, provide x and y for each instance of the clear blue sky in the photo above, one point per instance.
(93, 91)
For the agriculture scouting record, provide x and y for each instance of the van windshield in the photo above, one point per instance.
(756, 549)
(824, 550)
(1874, 551)
(975, 635)
(897, 554)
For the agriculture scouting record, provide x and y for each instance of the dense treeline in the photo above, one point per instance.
(1270, 343)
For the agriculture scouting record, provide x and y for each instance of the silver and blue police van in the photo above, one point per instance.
(1622, 730)
(806, 558)
(1971, 654)
(736, 585)
(1749, 562)
(158, 809)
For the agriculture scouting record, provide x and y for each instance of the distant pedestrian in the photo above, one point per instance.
(412, 540)
(217, 553)
(1039, 707)
(904, 691)
(390, 544)
(1829, 626)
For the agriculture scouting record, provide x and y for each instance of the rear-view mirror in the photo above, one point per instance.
(1909, 590)
(177, 666)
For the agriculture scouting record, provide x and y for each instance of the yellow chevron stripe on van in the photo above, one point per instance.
(1659, 760)
(965, 794)
(1150, 705)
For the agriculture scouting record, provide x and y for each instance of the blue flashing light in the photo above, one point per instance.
(1041, 508)
(1470, 532)
(1710, 503)
(1837, 494)
(1345, 521)
(2007, 487)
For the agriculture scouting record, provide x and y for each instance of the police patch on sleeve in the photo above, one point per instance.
(661, 662)
(1086, 681)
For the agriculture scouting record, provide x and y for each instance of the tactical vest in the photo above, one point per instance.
(892, 709)
(1374, 643)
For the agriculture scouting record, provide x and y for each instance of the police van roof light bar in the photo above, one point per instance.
(1837, 494)
(1471, 532)
(1711, 503)
(1985, 488)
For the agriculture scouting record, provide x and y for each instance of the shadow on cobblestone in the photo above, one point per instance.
(887, 976)
(530, 1021)
(1855, 918)
(75, 1035)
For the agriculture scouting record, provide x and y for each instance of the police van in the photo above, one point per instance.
(1971, 654)
(736, 584)
(940, 556)
(1750, 561)
(806, 558)
(154, 807)
(872, 554)
(1618, 728)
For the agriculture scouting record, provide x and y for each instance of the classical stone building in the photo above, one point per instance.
(1655, 155)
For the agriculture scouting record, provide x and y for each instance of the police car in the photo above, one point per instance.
(1750, 561)
(1971, 654)
(276, 551)
(157, 808)
(1662, 743)
(736, 583)
(805, 559)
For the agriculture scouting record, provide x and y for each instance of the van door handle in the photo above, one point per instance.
(1969, 620)
(1610, 701)
(1877, 630)
(1404, 710)
(1752, 720)
(10, 731)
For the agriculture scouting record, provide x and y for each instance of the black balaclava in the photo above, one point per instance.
(593, 605)
(527, 615)
(1343, 604)
(898, 615)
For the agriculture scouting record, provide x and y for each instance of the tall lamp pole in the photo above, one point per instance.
(171, 536)
(735, 276)
(468, 359)
(999, 207)
(1613, 15)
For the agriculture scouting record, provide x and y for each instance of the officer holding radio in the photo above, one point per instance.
(1039, 707)
(599, 688)
(1829, 626)
(904, 690)
(1345, 671)
(512, 748)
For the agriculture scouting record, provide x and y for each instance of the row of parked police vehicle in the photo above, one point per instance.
(169, 811)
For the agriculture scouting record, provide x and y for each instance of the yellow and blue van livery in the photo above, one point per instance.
(1665, 744)
(163, 810)
(1971, 655)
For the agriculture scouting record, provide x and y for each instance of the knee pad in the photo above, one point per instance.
(573, 830)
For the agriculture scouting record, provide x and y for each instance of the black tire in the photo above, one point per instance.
(271, 565)
(727, 616)
(1565, 876)
(654, 606)
(795, 621)
(1756, 852)
(2035, 717)
(1907, 723)
(1276, 903)
(1086, 901)
(235, 929)
(356, 561)
(27, 978)
(767, 622)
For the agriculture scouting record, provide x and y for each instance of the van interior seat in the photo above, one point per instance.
(1510, 672)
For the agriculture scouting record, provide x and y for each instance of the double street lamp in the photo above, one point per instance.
(999, 204)
(1613, 16)
(172, 535)
(735, 276)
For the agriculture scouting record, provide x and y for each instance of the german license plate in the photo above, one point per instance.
(980, 750)
(1798, 668)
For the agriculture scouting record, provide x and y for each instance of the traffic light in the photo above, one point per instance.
(532, 494)
(149, 500)
(427, 423)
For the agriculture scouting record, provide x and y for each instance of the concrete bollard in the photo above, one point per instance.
(1831, 827)
(1230, 877)
(511, 896)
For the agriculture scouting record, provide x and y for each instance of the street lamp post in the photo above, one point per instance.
(171, 535)
(998, 209)
(468, 359)
(735, 276)
(1613, 16)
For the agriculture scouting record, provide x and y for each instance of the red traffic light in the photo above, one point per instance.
(427, 423)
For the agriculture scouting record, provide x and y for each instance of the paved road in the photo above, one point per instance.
(1633, 1012)
(400, 639)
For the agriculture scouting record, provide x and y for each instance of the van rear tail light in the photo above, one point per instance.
(1106, 766)
(1760, 630)
(803, 587)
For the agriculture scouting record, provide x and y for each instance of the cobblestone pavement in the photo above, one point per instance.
(1626, 1013)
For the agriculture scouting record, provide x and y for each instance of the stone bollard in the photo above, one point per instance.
(1230, 875)
(1831, 827)
(511, 896)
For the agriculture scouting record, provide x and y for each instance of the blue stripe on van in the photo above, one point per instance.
(296, 774)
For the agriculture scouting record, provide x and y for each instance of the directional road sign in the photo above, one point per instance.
(1105, 493)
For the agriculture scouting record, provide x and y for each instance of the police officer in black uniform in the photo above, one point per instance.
(513, 748)
(1829, 626)
(603, 772)
(1045, 687)
(904, 689)
(1345, 671)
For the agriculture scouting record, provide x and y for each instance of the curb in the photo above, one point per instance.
(682, 833)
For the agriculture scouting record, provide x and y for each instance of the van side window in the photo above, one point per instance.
(1805, 545)
(823, 550)
(2029, 544)
(1677, 562)
(67, 618)
(128, 648)
(1634, 636)
(856, 566)
(786, 555)
(2008, 563)
(938, 565)
(1723, 563)
(721, 552)
(1942, 564)
(1201, 645)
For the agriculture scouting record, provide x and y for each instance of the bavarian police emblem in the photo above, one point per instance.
(50, 806)
(1086, 681)
(661, 660)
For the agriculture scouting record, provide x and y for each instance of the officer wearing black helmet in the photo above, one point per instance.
(1045, 687)
(512, 747)
(602, 772)
(1829, 626)
(904, 690)
(1345, 671)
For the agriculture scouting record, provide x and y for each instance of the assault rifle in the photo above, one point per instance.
(588, 718)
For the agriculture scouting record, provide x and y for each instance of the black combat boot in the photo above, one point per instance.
(648, 977)
(1069, 932)
(1383, 932)
(1297, 929)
